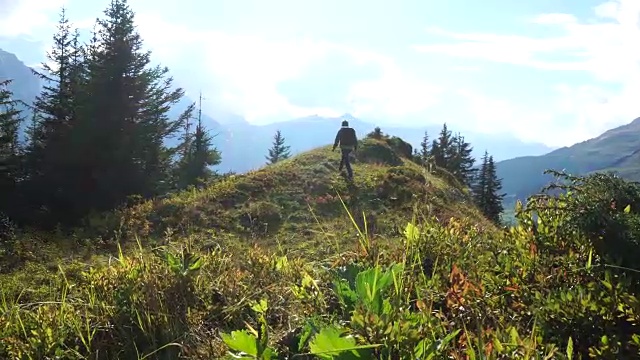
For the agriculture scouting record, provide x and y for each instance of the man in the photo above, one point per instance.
(348, 141)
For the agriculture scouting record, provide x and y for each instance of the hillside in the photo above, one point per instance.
(271, 264)
(291, 195)
(615, 150)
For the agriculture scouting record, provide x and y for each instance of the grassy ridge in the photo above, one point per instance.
(282, 262)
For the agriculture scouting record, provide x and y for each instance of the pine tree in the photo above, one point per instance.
(9, 123)
(494, 198)
(50, 156)
(480, 185)
(425, 148)
(461, 165)
(486, 190)
(198, 156)
(125, 118)
(278, 150)
(10, 150)
(442, 149)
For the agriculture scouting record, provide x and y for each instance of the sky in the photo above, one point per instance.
(548, 71)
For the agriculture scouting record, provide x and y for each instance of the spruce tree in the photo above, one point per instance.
(50, 155)
(10, 150)
(125, 117)
(480, 185)
(198, 156)
(424, 149)
(486, 190)
(494, 198)
(442, 149)
(461, 165)
(279, 151)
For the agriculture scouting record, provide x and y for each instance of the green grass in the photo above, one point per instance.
(420, 275)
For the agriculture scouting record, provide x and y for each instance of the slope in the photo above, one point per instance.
(615, 150)
(203, 276)
(305, 198)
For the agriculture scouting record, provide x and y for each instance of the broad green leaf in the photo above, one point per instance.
(570, 348)
(627, 209)
(346, 295)
(370, 284)
(282, 263)
(197, 264)
(498, 345)
(426, 349)
(260, 307)
(411, 232)
(447, 339)
(173, 260)
(514, 337)
(242, 341)
(330, 344)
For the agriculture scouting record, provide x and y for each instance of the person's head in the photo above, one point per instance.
(345, 123)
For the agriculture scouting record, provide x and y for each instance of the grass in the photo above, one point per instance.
(420, 275)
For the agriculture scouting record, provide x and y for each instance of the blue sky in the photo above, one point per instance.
(548, 71)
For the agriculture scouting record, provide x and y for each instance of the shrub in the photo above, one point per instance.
(402, 147)
(604, 207)
(373, 151)
(400, 184)
(261, 216)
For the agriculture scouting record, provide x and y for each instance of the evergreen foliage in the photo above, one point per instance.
(10, 148)
(486, 190)
(199, 154)
(279, 151)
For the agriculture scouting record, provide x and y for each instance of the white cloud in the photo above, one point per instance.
(555, 19)
(23, 17)
(606, 49)
(246, 70)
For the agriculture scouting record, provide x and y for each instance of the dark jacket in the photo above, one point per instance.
(346, 137)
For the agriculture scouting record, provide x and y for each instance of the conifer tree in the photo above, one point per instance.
(442, 149)
(487, 188)
(424, 148)
(50, 154)
(279, 151)
(125, 118)
(494, 197)
(198, 156)
(480, 185)
(10, 150)
(461, 165)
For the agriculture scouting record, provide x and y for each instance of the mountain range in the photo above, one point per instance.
(520, 165)
(244, 145)
(616, 150)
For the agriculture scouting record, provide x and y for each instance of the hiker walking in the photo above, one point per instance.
(348, 141)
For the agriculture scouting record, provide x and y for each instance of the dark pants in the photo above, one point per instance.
(345, 162)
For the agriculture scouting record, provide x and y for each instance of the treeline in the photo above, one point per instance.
(99, 130)
(452, 153)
